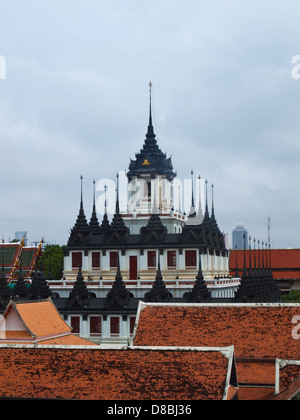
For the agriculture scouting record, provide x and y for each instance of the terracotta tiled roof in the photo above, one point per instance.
(260, 333)
(287, 379)
(116, 374)
(285, 262)
(39, 322)
(41, 318)
(256, 330)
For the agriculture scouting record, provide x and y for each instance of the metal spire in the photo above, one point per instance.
(212, 206)
(81, 199)
(117, 200)
(150, 134)
(193, 202)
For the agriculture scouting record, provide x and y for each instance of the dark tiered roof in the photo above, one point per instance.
(200, 292)
(155, 231)
(81, 230)
(150, 159)
(207, 233)
(39, 288)
(159, 292)
(94, 222)
(118, 296)
(20, 290)
(79, 295)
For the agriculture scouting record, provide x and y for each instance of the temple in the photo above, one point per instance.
(152, 252)
(151, 231)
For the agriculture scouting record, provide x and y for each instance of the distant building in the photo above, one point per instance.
(238, 240)
(21, 234)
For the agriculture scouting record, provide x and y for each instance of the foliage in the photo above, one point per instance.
(53, 255)
(292, 297)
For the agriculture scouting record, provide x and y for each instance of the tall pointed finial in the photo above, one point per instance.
(150, 91)
(81, 199)
(94, 195)
(244, 240)
(236, 263)
(105, 200)
(192, 209)
(150, 134)
(117, 200)
(250, 258)
(192, 175)
(212, 201)
(206, 199)
(254, 241)
(200, 206)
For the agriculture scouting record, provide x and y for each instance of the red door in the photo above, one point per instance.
(133, 267)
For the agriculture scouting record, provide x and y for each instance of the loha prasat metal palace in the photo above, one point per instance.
(151, 252)
(150, 232)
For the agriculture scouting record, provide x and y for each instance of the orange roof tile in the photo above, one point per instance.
(41, 318)
(67, 340)
(116, 374)
(260, 333)
(41, 324)
(255, 330)
(287, 378)
(285, 262)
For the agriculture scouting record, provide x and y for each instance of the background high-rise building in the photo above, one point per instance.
(21, 234)
(238, 241)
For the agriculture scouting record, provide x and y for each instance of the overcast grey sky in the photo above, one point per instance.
(75, 101)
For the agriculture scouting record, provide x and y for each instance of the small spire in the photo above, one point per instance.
(192, 209)
(117, 198)
(200, 205)
(254, 242)
(81, 195)
(193, 201)
(250, 258)
(150, 134)
(150, 113)
(236, 262)
(245, 263)
(94, 223)
(212, 200)
(118, 296)
(94, 195)
(105, 199)
(206, 216)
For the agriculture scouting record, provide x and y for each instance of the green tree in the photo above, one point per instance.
(292, 297)
(53, 260)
